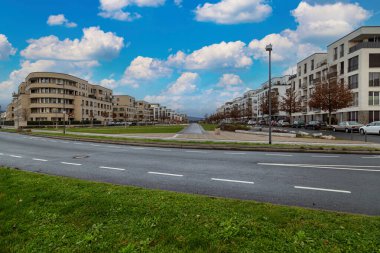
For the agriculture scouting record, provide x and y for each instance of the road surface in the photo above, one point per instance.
(193, 128)
(348, 183)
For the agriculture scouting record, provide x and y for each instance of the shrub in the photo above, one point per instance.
(233, 127)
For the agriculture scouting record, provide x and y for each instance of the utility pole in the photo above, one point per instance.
(64, 109)
(269, 49)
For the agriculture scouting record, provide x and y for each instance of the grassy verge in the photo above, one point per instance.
(124, 130)
(211, 144)
(40, 213)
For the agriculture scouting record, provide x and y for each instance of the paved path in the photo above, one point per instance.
(336, 182)
(193, 128)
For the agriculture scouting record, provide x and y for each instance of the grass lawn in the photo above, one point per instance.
(209, 127)
(40, 213)
(126, 130)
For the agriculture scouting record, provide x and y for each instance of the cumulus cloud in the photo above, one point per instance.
(109, 83)
(81, 69)
(216, 56)
(233, 11)
(6, 48)
(178, 3)
(54, 20)
(228, 80)
(114, 9)
(95, 44)
(184, 84)
(328, 20)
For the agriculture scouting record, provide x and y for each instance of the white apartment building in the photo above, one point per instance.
(353, 59)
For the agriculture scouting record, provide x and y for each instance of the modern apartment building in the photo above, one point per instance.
(45, 96)
(53, 97)
(354, 60)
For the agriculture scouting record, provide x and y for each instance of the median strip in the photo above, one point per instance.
(321, 189)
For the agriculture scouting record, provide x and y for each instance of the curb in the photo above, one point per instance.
(210, 146)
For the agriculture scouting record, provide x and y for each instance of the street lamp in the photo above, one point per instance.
(269, 49)
(64, 109)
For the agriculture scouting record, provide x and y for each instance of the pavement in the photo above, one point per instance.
(347, 183)
(193, 128)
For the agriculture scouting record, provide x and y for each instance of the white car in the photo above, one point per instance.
(372, 128)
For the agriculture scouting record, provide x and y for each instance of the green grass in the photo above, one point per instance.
(125, 130)
(208, 127)
(40, 213)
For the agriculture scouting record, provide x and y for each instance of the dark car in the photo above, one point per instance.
(315, 125)
(298, 124)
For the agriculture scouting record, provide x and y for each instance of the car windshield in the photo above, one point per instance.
(353, 123)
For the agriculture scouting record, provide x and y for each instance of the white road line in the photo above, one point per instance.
(234, 153)
(111, 168)
(38, 159)
(231, 181)
(277, 155)
(371, 157)
(164, 174)
(15, 156)
(65, 142)
(196, 151)
(95, 145)
(325, 156)
(77, 143)
(138, 148)
(52, 141)
(329, 167)
(320, 189)
(75, 164)
(163, 150)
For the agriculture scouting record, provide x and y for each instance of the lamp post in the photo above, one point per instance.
(64, 109)
(269, 49)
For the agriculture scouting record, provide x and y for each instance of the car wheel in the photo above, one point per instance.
(347, 131)
(334, 129)
(362, 131)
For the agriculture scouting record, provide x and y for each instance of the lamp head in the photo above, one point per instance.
(269, 48)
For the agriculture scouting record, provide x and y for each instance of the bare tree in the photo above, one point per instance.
(290, 103)
(330, 96)
(264, 105)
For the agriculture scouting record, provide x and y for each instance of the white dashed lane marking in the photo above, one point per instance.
(111, 168)
(165, 174)
(278, 155)
(15, 156)
(231, 181)
(320, 189)
(74, 164)
(40, 160)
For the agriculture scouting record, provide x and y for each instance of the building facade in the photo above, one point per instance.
(55, 97)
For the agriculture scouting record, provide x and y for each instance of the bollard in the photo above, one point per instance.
(365, 136)
(352, 137)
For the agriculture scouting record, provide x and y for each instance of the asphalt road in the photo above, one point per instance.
(349, 183)
(193, 128)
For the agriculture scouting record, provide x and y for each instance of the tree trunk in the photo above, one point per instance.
(330, 119)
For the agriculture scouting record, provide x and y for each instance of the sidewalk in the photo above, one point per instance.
(230, 137)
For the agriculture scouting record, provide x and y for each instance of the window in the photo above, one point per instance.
(373, 98)
(374, 79)
(353, 82)
(352, 116)
(312, 64)
(335, 53)
(299, 70)
(374, 60)
(353, 63)
(374, 116)
(305, 68)
(355, 99)
(341, 50)
(342, 68)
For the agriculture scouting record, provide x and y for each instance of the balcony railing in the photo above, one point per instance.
(364, 45)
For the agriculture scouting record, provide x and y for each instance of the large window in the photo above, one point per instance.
(355, 99)
(374, 116)
(341, 50)
(353, 63)
(374, 79)
(373, 98)
(353, 81)
(374, 60)
(353, 116)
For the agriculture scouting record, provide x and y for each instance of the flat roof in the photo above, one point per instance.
(375, 26)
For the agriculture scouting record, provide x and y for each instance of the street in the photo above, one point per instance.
(348, 183)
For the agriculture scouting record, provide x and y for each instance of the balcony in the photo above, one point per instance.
(316, 80)
(304, 86)
(364, 45)
(332, 74)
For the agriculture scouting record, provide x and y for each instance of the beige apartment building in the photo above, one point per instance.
(45, 96)
(124, 108)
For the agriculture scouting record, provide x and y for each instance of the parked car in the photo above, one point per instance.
(298, 124)
(251, 122)
(262, 122)
(348, 126)
(283, 123)
(372, 128)
(315, 125)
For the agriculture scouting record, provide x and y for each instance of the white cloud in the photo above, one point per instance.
(228, 80)
(6, 48)
(95, 44)
(178, 3)
(60, 19)
(216, 56)
(114, 9)
(109, 83)
(184, 84)
(81, 69)
(328, 20)
(233, 11)
(144, 69)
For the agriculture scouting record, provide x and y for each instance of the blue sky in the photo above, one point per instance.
(189, 55)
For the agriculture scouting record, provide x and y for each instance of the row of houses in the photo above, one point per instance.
(353, 59)
(55, 97)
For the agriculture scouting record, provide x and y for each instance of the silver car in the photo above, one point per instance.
(348, 126)
(372, 128)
